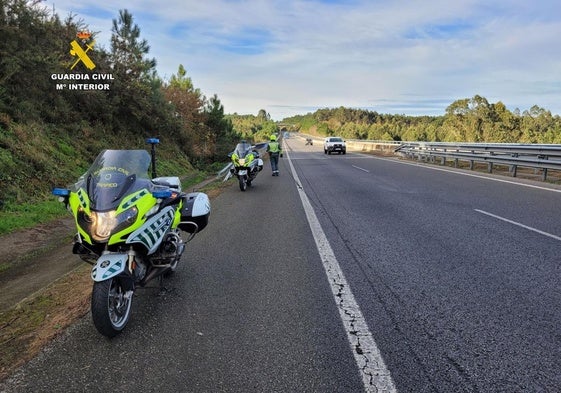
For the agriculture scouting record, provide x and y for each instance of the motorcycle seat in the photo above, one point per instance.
(168, 181)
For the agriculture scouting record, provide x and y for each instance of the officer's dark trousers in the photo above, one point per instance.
(275, 162)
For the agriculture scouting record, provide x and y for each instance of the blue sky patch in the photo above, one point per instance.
(97, 12)
(247, 42)
(440, 31)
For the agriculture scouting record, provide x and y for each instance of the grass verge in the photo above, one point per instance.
(26, 328)
(26, 215)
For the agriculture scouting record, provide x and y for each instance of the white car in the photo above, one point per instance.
(334, 144)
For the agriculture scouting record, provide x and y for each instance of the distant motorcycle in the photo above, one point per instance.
(309, 141)
(129, 228)
(246, 164)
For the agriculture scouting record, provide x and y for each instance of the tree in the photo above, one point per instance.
(134, 74)
(220, 130)
(128, 51)
(188, 108)
(182, 81)
(263, 115)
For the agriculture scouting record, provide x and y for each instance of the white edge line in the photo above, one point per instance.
(375, 375)
(466, 174)
(518, 224)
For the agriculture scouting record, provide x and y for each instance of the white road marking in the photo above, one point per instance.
(375, 375)
(362, 169)
(457, 172)
(519, 224)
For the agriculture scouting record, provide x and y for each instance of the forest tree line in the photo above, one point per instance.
(48, 136)
(466, 120)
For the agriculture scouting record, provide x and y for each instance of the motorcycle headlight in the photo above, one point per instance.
(106, 223)
(241, 161)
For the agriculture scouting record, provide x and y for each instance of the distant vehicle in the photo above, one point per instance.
(309, 141)
(334, 144)
(286, 135)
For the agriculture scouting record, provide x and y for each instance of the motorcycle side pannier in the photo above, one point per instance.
(195, 212)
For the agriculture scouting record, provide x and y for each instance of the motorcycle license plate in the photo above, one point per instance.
(243, 172)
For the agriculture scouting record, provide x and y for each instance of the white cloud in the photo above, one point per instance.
(292, 56)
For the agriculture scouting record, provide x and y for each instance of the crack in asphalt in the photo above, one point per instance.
(374, 374)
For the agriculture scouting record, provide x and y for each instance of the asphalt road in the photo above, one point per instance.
(456, 276)
(456, 299)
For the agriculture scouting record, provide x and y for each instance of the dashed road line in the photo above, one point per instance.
(362, 169)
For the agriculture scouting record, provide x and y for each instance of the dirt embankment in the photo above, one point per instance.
(44, 289)
(33, 258)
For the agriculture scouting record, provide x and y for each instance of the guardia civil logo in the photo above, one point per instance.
(81, 53)
(81, 78)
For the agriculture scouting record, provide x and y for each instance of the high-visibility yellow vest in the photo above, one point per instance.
(274, 147)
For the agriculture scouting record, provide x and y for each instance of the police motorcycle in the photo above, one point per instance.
(246, 164)
(129, 228)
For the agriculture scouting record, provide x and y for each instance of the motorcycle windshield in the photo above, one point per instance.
(243, 149)
(113, 175)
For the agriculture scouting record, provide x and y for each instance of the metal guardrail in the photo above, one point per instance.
(542, 157)
(537, 156)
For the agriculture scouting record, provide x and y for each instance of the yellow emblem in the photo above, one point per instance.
(77, 50)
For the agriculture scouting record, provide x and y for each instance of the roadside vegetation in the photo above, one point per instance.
(466, 120)
(49, 136)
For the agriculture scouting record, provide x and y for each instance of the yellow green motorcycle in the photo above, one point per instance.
(246, 164)
(129, 227)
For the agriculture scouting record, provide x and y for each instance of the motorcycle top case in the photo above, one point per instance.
(195, 210)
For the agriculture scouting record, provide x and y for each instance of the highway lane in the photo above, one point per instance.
(457, 300)
(249, 310)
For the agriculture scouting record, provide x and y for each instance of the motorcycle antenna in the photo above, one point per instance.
(153, 142)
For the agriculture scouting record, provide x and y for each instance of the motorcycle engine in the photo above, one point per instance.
(171, 249)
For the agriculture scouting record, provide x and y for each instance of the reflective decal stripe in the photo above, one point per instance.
(82, 198)
(133, 200)
(116, 267)
(153, 230)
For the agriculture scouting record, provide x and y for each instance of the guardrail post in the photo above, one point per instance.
(471, 164)
(544, 177)
(489, 167)
(513, 169)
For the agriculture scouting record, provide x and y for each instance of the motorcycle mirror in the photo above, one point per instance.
(161, 194)
(61, 192)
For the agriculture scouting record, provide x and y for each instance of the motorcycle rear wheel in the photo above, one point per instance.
(111, 306)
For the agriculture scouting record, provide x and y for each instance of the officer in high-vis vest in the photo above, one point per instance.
(275, 151)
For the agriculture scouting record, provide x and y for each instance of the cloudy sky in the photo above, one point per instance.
(391, 56)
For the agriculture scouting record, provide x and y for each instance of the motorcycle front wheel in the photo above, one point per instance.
(243, 183)
(111, 306)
